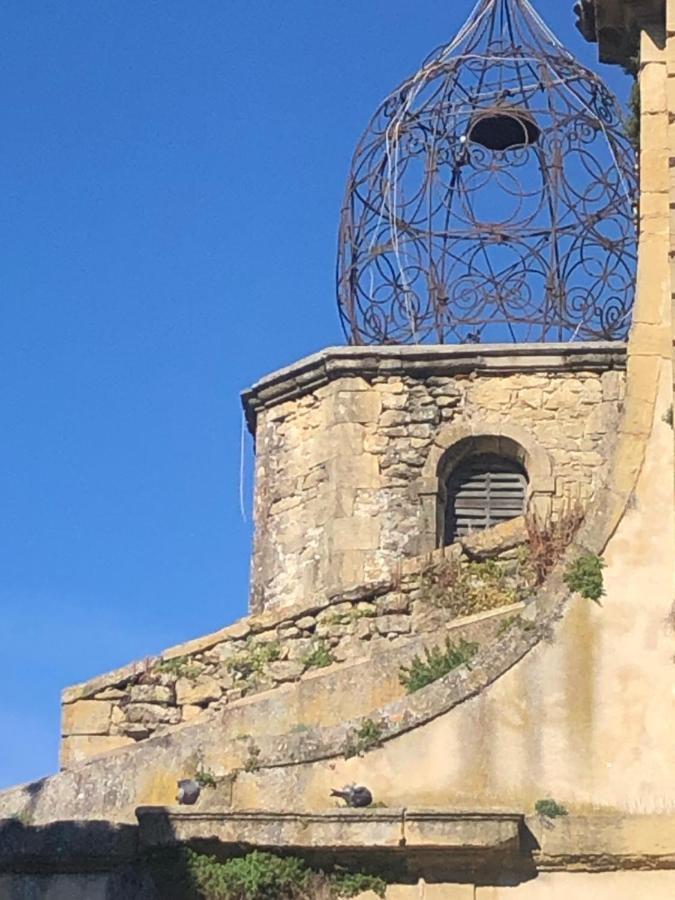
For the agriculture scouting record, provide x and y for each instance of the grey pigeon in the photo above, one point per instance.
(354, 795)
(188, 792)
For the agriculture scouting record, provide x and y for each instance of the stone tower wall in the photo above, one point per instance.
(348, 445)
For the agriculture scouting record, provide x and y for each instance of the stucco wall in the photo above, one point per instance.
(547, 886)
(587, 717)
(342, 476)
(585, 886)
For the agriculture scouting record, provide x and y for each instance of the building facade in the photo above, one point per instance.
(508, 503)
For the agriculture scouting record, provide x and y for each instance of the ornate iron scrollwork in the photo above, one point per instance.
(492, 197)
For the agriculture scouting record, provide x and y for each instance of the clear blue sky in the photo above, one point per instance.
(172, 174)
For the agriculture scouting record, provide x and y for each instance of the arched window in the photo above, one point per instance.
(483, 490)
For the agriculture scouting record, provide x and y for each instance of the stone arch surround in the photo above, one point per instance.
(455, 441)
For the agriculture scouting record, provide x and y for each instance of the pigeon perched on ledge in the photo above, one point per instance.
(355, 796)
(188, 792)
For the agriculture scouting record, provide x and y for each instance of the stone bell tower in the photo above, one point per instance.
(356, 447)
(486, 278)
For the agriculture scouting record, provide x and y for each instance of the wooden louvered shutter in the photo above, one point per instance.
(483, 491)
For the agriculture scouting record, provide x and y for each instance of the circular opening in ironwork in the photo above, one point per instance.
(502, 129)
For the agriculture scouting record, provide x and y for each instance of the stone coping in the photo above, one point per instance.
(250, 626)
(241, 629)
(336, 829)
(319, 369)
(412, 644)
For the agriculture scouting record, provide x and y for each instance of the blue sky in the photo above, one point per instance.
(171, 179)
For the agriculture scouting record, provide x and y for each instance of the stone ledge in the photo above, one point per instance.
(604, 842)
(319, 369)
(338, 829)
(584, 843)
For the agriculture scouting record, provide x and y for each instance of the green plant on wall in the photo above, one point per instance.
(467, 588)
(354, 615)
(205, 778)
(352, 884)
(251, 661)
(252, 761)
(436, 663)
(179, 667)
(584, 576)
(550, 809)
(319, 656)
(188, 875)
(633, 120)
(368, 736)
(547, 542)
(507, 624)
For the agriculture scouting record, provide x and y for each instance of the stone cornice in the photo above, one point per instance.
(370, 362)
(599, 842)
(616, 24)
(336, 829)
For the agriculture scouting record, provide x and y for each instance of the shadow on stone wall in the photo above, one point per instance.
(71, 861)
(98, 860)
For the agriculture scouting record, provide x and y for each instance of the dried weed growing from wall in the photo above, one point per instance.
(547, 540)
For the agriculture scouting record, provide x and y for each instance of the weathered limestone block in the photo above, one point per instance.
(531, 397)
(151, 693)
(86, 717)
(349, 648)
(148, 714)
(427, 618)
(591, 391)
(300, 648)
(225, 679)
(330, 628)
(110, 694)
(393, 417)
(239, 630)
(363, 629)
(356, 534)
(393, 624)
(392, 603)
(613, 385)
(76, 748)
(487, 544)
(225, 651)
(357, 407)
(334, 611)
(362, 471)
(202, 690)
(285, 671)
(394, 401)
(288, 632)
(137, 731)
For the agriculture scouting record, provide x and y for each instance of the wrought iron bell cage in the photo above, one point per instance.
(492, 197)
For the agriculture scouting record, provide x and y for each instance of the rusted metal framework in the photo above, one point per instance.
(492, 197)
